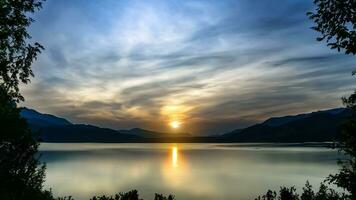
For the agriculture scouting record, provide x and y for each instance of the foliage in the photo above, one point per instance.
(21, 173)
(336, 21)
(270, 195)
(162, 197)
(16, 54)
(346, 178)
(308, 193)
(131, 195)
(286, 193)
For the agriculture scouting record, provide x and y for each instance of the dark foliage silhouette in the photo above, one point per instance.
(21, 173)
(270, 195)
(16, 54)
(131, 195)
(346, 178)
(335, 20)
(162, 197)
(285, 193)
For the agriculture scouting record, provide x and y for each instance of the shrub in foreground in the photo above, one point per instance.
(285, 193)
(131, 195)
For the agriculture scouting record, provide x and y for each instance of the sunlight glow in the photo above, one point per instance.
(175, 169)
(174, 157)
(175, 124)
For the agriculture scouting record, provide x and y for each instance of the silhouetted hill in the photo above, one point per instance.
(278, 121)
(318, 126)
(39, 120)
(56, 129)
(84, 133)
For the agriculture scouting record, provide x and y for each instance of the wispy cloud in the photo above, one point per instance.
(214, 65)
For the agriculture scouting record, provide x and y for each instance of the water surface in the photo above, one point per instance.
(189, 171)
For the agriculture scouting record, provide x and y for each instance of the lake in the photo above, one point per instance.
(189, 171)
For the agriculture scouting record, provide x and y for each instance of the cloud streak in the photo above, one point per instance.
(214, 65)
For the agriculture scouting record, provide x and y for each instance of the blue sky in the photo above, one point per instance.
(211, 65)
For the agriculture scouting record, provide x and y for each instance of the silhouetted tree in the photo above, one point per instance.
(21, 173)
(308, 193)
(162, 197)
(336, 21)
(286, 193)
(16, 54)
(346, 178)
(131, 195)
(270, 195)
(326, 193)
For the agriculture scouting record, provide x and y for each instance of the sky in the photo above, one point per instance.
(213, 66)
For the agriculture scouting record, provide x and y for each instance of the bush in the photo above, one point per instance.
(286, 193)
(131, 195)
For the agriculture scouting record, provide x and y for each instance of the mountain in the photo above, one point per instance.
(318, 126)
(278, 121)
(55, 129)
(84, 133)
(38, 120)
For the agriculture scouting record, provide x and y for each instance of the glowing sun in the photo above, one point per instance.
(175, 124)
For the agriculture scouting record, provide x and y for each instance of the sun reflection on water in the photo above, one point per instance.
(174, 156)
(175, 170)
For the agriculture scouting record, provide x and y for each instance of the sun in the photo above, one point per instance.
(175, 124)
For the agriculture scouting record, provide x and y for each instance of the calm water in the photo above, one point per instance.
(189, 171)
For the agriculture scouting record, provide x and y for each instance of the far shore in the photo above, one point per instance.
(222, 144)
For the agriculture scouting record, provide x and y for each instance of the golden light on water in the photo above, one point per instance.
(174, 157)
(175, 170)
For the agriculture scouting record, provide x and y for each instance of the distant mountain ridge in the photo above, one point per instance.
(317, 126)
(39, 120)
(84, 133)
(57, 129)
(278, 121)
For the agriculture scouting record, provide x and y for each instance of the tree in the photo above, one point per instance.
(308, 193)
(162, 197)
(286, 193)
(131, 195)
(346, 178)
(270, 195)
(16, 54)
(335, 20)
(21, 173)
